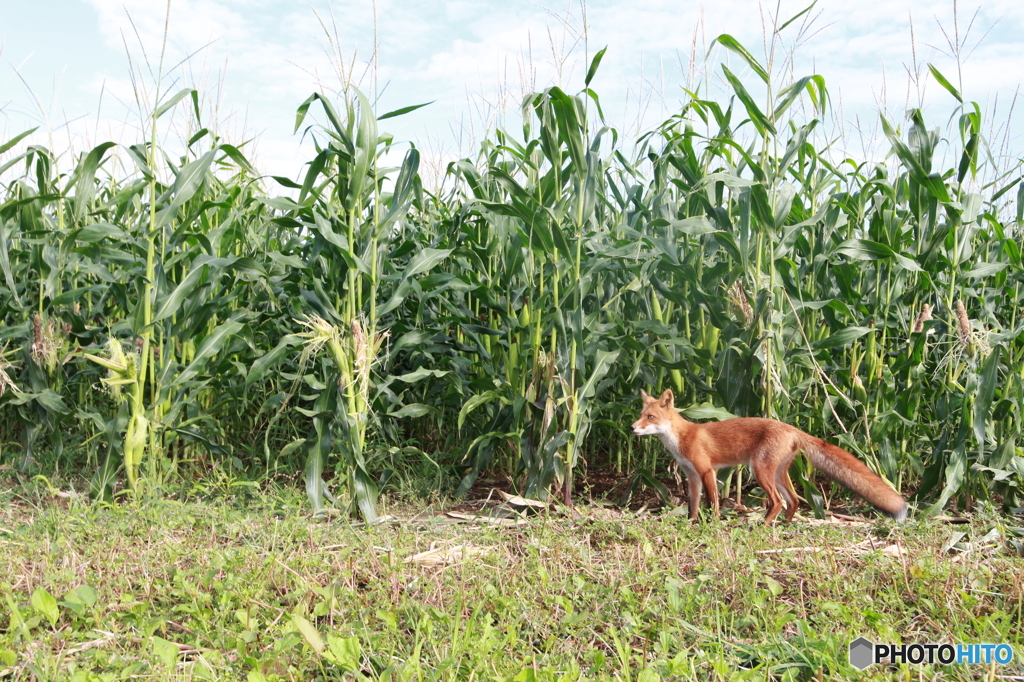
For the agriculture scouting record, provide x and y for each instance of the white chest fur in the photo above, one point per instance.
(671, 442)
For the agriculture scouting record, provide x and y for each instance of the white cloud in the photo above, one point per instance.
(256, 60)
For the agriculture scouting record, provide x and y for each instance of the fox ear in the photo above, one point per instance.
(667, 399)
(645, 396)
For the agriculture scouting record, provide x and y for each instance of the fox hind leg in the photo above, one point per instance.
(786, 487)
(763, 472)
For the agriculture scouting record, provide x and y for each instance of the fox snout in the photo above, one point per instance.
(643, 428)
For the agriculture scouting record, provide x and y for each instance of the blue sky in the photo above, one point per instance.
(65, 65)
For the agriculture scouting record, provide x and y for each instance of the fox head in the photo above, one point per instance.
(656, 414)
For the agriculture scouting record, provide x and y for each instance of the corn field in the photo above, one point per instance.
(171, 317)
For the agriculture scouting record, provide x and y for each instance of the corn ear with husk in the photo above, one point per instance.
(343, 409)
(124, 371)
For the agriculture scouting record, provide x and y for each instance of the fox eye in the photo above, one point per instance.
(650, 416)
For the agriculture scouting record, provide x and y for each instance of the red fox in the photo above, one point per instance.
(768, 446)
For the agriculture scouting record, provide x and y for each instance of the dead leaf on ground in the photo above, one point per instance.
(602, 513)
(894, 551)
(517, 501)
(835, 520)
(942, 518)
(445, 557)
(791, 549)
(492, 520)
(857, 549)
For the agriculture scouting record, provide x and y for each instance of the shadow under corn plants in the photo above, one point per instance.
(509, 320)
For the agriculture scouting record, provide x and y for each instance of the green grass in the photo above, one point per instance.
(243, 588)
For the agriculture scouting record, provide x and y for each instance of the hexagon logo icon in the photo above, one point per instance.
(861, 653)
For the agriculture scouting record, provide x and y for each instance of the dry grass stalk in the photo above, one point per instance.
(487, 520)
(922, 317)
(444, 557)
(737, 297)
(967, 340)
(963, 325)
(6, 382)
(46, 343)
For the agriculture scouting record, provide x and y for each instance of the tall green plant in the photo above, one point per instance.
(356, 245)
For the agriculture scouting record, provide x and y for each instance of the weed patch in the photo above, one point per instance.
(218, 591)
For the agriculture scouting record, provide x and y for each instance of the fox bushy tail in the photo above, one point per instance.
(841, 466)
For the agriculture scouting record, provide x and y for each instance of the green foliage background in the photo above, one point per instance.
(169, 315)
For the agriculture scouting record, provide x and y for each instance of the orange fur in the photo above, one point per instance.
(768, 446)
